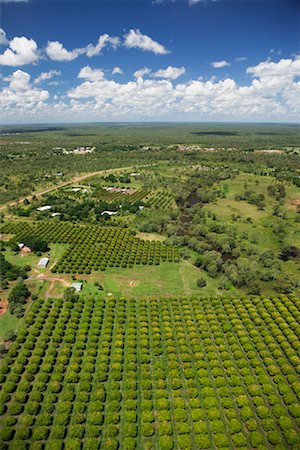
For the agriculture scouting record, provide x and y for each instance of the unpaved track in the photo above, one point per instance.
(67, 183)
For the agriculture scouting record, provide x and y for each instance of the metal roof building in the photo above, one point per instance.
(43, 262)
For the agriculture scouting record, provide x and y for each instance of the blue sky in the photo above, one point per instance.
(181, 60)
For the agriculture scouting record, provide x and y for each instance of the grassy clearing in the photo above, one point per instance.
(150, 237)
(165, 280)
(8, 322)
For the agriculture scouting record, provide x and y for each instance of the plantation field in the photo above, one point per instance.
(185, 373)
(94, 248)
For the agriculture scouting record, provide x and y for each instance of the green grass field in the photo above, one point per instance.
(165, 280)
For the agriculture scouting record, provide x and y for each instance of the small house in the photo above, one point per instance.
(43, 262)
(77, 286)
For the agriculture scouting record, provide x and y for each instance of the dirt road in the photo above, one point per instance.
(67, 183)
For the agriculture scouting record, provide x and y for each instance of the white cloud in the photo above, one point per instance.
(91, 74)
(21, 94)
(56, 51)
(135, 39)
(220, 64)
(117, 71)
(47, 76)
(273, 94)
(103, 41)
(142, 72)
(171, 73)
(3, 38)
(241, 58)
(21, 51)
(283, 68)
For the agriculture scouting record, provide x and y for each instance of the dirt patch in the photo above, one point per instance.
(6, 237)
(3, 307)
(296, 201)
(278, 152)
(133, 283)
(293, 203)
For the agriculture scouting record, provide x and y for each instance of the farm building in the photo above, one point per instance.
(77, 286)
(43, 262)
(109, 213)
(44, 208)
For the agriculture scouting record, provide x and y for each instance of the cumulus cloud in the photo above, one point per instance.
(91, 74)
(220, 64)
(142, 72)
(135, 39)
(3, 38)
(273, 94)
(44, 76)
(56, 51)
(21, 51)
(117, 71)
(283, 68)
(103, 41)
(20, 93)
(171, 73)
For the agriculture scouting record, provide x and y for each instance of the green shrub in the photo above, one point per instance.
(285, 423)
(274, 437)
(17, 444)
(23, 433)
(234, 426)
(202, 441)
(15, 409)
(6, 434)
(40, 433)
(130, 417)
(147, 429)
(256, 439)
(165, 428)
(221, 440)
(217, 426)
(166, 443)
(251, 424)
(111, 444)
(72, 444)
(76, 431)
(263, 412)
(147, 416)
(130, 430)
(292, 437)
(239, 440)
(54, 444)
(58, 432)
